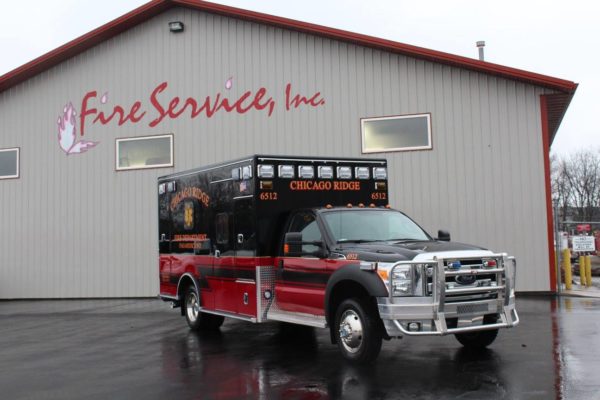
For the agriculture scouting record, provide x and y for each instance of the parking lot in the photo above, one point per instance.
(141, 349)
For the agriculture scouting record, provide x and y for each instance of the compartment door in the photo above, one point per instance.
(245, 254)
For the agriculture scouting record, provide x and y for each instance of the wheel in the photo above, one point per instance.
(477, 340)
(196, 319)
(481, 339)
(357, 331)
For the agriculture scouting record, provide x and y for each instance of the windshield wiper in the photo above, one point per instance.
(406, 240)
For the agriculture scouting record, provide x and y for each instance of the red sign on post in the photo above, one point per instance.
(584, 228)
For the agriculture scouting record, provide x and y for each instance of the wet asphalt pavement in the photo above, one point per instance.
(141, 349)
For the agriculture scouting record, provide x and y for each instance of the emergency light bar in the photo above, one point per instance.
(361, 172)
(306, 171)
(265, 171)
(344, 173)
(379, 173)
(325, 172)
(286, 171)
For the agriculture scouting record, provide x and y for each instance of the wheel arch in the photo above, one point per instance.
(347, 282)
(186, 280)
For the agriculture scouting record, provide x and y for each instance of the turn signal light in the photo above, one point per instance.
(490, 264)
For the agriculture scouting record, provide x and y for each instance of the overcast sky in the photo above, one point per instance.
(556, 38)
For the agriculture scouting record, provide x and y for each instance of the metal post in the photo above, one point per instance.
(582, 273)
(588, 271)
(568, 270)
(557, 251)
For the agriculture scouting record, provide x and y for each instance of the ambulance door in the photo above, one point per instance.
(222, 280)
(168, 285)
(301, 286)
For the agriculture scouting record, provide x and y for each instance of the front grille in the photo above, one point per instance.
(480, 281)
(472, 308)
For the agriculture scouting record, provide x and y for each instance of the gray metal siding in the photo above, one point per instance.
(73, 227)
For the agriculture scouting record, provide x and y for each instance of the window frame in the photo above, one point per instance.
(18, 151)
(139, 138)
(396, 149)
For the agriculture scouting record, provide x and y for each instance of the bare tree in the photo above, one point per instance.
(561, 192)
(576, 184)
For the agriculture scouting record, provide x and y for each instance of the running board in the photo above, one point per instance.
(228, 315)
(317, 321)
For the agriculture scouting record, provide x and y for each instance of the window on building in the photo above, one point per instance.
(9, 163)
(144, 152)
(400, 133)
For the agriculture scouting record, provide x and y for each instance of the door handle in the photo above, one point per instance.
(217, 253)
(240, 238)
(163, 237)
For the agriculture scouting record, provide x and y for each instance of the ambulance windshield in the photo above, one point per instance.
(360, 226)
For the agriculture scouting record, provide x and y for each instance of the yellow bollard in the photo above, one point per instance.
(588, 271)
(568, 271)
(582, 270)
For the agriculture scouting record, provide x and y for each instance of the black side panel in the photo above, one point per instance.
(367, 279)
(190, 212)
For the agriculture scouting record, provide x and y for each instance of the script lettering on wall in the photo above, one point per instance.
(165, 106)
(162, 105)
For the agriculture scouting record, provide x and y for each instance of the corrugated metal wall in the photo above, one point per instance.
(73, 227)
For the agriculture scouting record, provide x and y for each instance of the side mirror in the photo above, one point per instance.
(444, 236)
(202, 247)
(321, 253)
(292, 244)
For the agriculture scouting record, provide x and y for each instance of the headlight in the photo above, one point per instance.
(406, 279)
(402, 281)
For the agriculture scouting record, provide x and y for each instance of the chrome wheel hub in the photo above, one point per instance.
(351, 331)
(192, 307)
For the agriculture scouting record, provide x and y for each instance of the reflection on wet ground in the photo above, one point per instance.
(128, 349)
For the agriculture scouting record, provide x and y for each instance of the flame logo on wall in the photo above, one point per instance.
(67, 133)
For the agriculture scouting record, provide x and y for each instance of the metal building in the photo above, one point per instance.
(86, 129)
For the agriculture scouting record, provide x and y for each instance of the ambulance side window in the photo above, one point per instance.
(306, 223)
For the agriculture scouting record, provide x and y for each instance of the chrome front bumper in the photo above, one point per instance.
(429, 315)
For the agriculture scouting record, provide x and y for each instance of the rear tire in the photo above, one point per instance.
(357, 331)
(477, 340)
(196, 319)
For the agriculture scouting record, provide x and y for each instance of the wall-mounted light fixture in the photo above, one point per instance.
(176, 26)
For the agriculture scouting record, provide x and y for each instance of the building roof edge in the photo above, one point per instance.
(155, 7)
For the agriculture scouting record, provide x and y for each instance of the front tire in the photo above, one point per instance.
(357, 331)
(196, 319)
(477, 340)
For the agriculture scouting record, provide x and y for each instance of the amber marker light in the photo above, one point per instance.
(388, 206)
(361, 205)
(266, 185)
(329, 206)
(383, 274)
(372, 205)
(286, 248)
(349, 205)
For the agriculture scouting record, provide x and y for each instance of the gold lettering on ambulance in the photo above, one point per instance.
(324, 185)
(187, 193)
(199, 236)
